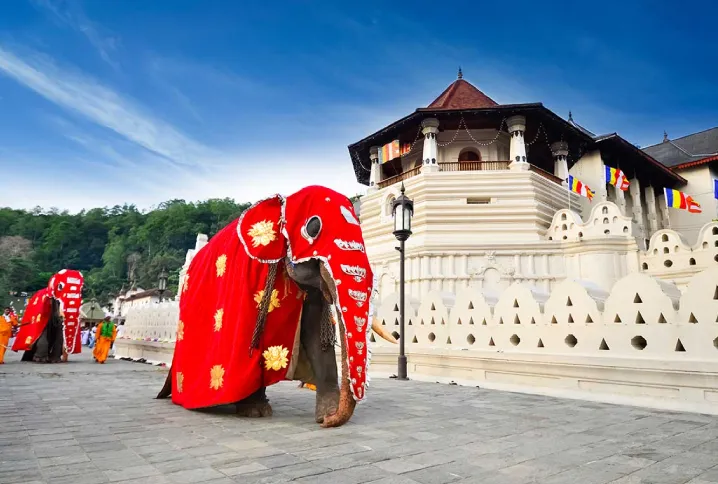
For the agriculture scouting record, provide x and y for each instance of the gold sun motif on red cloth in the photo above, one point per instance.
(262, 233)
(273, 300)
(180, 330)
(180, 380)
(221, 265)
(216, 377)
(185, 284)
(218, 319)
(275, 358)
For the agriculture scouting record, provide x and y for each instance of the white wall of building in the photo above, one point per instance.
(700, 187)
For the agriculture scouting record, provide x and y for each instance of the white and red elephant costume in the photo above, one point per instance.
(240, 311)
(64, 293)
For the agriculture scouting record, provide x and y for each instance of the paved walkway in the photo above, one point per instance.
(86, 423)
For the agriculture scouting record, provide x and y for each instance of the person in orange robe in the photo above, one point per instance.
(104, 337)
(7, 321)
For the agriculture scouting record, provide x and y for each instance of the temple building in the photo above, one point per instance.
(489, 184)
(517, 280)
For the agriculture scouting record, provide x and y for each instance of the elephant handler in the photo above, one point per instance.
(7, 322)
(105, 337)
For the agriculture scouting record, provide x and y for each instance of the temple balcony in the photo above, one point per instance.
(470, 166)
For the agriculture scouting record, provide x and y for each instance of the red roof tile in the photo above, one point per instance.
(462, 95)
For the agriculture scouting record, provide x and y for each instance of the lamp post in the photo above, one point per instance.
(402, 210)
(162, 283)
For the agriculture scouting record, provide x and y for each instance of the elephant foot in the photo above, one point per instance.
(254, 409)
(255, 406)
(326, 405)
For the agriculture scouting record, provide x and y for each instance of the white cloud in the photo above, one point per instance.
(85, 96)
(71, 14)
(144, 160)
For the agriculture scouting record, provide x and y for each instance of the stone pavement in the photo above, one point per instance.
(87, 423)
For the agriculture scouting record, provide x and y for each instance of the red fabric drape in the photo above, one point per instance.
(340, 247)
(37, 313)
(66, 286)
(219, 300)
(218, 312)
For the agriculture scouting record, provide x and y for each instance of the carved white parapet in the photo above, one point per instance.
(517, 149)
(375, 173)
(559, 150)
(430, 156)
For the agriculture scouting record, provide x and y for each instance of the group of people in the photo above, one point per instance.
(99, 337)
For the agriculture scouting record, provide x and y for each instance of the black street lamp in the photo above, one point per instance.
(162, 283)
(402, 210)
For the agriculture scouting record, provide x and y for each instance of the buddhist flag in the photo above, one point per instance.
(617, 178)
(676, 199)
(576, 186)
(390, 151)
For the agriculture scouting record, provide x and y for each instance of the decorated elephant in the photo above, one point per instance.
(50, 327)
(262, 301)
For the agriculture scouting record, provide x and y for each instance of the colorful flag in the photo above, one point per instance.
(405, 148)
(715, 188)
(577, 187)
(676, 199)
(617, 178)
(390, 151)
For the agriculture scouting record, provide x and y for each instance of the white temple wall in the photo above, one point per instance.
(589, 170)
(643, 341)
(700, 187)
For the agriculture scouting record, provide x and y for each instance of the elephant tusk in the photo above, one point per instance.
(378, 329)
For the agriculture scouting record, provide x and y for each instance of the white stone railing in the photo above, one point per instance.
(152, 322)
(645, 342)
(642, 317)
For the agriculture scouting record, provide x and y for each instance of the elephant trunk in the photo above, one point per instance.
(346, 399)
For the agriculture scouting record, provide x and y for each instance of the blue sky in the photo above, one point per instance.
(104, 102)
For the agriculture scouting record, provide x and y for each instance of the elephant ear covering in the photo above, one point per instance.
(339, 246)
(214, 363)
(36, 316)
(66, 286)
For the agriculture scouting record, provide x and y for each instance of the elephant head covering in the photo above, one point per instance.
(240, 311)
(66, 287)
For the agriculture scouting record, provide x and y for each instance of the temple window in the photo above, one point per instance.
(469, 154)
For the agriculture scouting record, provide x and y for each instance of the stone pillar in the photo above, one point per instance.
(651, 215)
(430, 128)
(635, 191)
(375, 173)
(620, 199)
(559, 150)
(517, 150)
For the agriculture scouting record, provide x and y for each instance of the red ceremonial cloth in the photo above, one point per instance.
(36, 316)
(340, 247)
(219, 300)
(219, 305)
(66, 286)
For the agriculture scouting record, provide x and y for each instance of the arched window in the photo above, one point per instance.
(469, 155)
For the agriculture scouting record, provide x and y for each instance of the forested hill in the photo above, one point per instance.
(101, 242)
